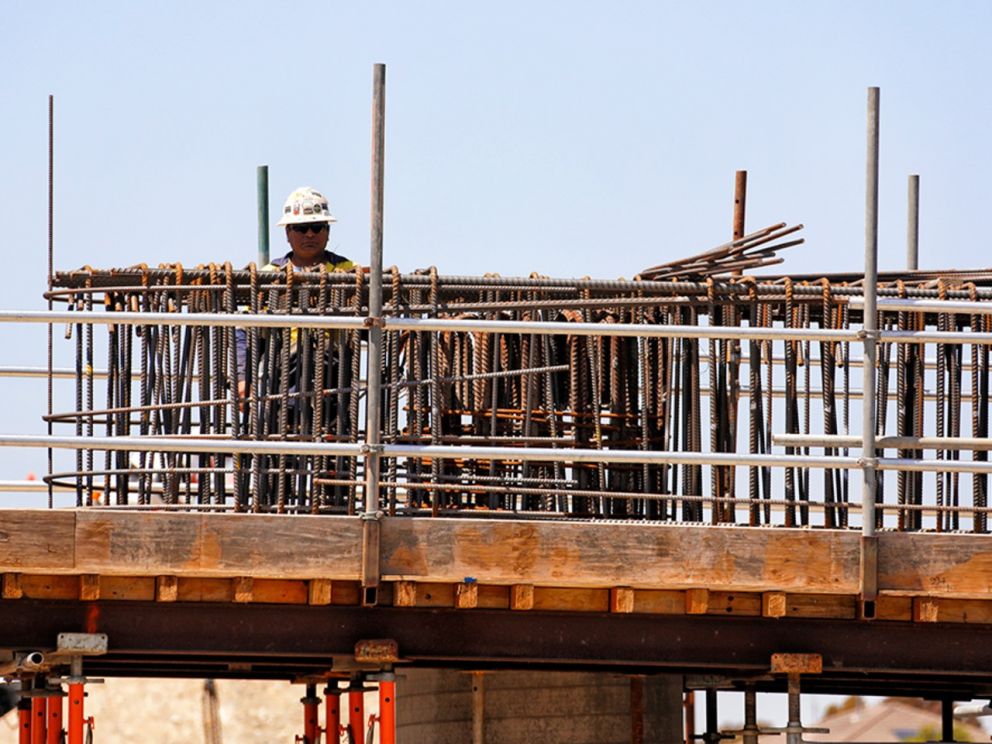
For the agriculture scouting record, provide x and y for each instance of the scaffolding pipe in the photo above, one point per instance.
(913, 225)
(976, 444)
(869, 482)
(373, 398)
(262, 183)
(543, 454)
(631, 330)
(906, 304)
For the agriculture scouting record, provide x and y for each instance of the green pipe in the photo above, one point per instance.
(263, 215)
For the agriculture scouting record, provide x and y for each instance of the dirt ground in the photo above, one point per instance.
(169, 711)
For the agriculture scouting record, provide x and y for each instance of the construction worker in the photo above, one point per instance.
(307, 219)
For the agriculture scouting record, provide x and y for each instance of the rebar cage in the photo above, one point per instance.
(531, 397)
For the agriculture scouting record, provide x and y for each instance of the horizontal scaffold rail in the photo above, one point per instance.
(293, 392)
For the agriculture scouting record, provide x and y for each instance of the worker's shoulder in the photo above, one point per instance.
(336, 262)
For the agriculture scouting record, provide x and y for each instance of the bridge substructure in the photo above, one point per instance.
(650, 479)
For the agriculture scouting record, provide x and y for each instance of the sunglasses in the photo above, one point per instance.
(308, 226)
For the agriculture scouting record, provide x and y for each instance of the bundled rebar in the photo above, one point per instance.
(520, 390)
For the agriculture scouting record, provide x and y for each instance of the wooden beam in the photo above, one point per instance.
(466, 596)
(166, 588)
(773, 604)
(36, 540)
(591, 555)
(319, 592)
(621, 599)
(642, 557)
(89, 587)
(522, 597)
(244, 589)
(697, 601)
(405, 594)
(926, 610)
(12, 586)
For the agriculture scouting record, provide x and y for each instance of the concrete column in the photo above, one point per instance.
(547, 707)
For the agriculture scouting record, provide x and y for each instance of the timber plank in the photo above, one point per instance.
(492, 597)
(888, 607)
(571, 600)
(274, 546)
(51, 586)
(821, 605)
(637, 556)
(346, 592)
(205, 590)
(127, 588)
(279, 591)
(36, 540)
(659, 601)
(137, 543)
(952, 565)
(747, 604)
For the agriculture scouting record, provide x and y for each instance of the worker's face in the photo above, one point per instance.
(307, 241)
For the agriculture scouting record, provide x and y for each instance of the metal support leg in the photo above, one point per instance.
(311, 716)
(356, 710)
(76, 698)
(24, 721)
(947, 720)
(39, 715)
(332, 713)
(54, 712)
(387, 712)
(749, 735)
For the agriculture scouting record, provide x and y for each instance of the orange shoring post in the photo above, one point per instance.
(356, 713)
(387, 712)
(311, 716)
(76, 720)
(39, 711)
(55, 718)
(332, 711)
(24, 721)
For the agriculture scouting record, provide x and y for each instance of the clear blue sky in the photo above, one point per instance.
(566, 138)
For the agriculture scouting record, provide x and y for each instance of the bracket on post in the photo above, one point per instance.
(868, 593)
(371, 539)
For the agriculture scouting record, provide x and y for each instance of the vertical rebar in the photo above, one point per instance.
(373, 400)
(913, 225)
(262, 182)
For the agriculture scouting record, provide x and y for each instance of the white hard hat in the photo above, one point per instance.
(305, 205)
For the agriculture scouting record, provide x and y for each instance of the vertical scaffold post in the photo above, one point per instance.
(54, 727)
(24, 721)
(76, 698)
(311, 715)
(913, 225)
(869, 544)
(39, 715)
(387, 712)
(332, 713)
(371, 515)
(356, 709)
(262, 180)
